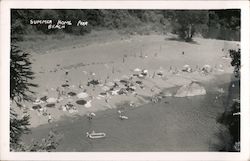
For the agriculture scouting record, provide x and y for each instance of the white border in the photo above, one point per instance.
(5, 75)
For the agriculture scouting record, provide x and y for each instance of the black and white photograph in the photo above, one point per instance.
(125, 80)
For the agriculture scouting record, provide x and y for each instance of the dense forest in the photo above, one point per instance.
(218, 24)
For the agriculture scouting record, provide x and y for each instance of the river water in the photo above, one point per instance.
(173, 124)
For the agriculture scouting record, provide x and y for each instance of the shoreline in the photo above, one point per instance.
(108, 120)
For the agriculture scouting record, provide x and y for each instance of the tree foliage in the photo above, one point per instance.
(235, 55)
(231, 118)
(220, 24)
(18, 127)
(21, 74)
(186, 21)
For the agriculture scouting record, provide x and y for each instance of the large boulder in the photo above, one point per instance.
(192, 89)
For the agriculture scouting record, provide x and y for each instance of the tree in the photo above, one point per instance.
(231, 116)
(185, 22)
(18, 127)
(20, 74)
(235, 55)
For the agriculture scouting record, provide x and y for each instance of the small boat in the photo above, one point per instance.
(122, 117)
(237, 113)
(94, 135)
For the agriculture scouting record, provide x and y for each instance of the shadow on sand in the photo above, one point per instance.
(181, 40)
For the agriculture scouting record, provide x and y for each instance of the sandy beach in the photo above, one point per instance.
(170, 124)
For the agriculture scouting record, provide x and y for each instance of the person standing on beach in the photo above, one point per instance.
(50, 118)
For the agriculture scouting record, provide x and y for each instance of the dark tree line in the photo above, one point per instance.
(20, 76)
(219, 24)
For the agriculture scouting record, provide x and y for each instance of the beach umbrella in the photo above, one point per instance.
(82, 95)
(88, 104)
(51, 100)
(137, 70)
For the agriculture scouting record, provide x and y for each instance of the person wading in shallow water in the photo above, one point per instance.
(50, 118)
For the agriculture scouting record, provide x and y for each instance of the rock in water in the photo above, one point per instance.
(192, 89)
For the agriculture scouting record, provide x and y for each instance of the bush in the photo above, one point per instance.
(235, 55)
